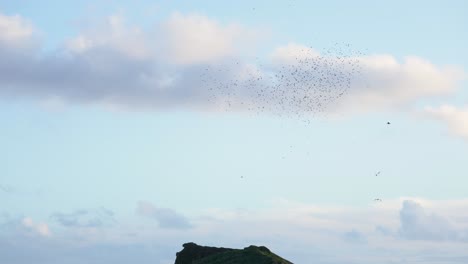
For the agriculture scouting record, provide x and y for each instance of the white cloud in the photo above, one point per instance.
(112, 34)
(389, 83)
(194, 38)
(380, 81)
(191, 61)
(417, 224)
(455, 118)
(181, 39)
(38, 228)
(15, 30)
(291, 52)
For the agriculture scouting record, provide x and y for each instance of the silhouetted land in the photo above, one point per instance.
(195, 254)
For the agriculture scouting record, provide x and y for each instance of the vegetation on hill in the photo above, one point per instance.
(195, 254)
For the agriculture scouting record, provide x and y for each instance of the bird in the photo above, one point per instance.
(300, 90)
(377, 174)
(388, 123)
(377, 200)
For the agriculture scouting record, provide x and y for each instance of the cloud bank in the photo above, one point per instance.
(406, 230)
(122, 65)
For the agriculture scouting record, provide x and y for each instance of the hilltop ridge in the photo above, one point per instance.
(195, 254)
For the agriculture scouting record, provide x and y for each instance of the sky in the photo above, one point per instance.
(114, 150)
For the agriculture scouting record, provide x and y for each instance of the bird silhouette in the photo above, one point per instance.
(305, 87)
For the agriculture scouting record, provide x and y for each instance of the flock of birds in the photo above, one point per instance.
(303, 85)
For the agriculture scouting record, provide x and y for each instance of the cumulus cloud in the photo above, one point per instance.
(85, 218)
(454, 117)
(118, 64)
(417, 224)
(122, 65)
(181, 39)
(166, 217)
(379, 81)
(389, 83)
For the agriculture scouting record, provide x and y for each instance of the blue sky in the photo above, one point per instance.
(101, 155)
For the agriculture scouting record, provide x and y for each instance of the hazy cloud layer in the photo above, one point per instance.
(122, 65)
(397, 231)
(38, 228)
(23, 227)
(21, 250)
(97, 218)
(354, 236)
(166, 217)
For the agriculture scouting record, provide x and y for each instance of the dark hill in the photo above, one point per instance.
(195, 254)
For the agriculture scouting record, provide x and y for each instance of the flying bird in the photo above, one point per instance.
(300, 90)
